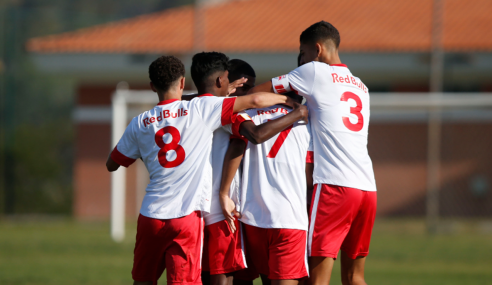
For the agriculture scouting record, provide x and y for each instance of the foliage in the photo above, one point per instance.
(36, 129)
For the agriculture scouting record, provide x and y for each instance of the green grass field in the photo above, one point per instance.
(66, 252)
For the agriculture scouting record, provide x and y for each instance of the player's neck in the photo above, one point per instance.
(169, 96)
(330, 58)
(208, 90)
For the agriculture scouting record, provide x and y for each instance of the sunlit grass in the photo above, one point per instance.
(401, 252)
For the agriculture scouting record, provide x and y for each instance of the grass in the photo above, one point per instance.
(66, 252)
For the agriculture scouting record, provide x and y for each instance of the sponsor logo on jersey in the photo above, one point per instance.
(165, 114)
(349, 80)
(272, 111)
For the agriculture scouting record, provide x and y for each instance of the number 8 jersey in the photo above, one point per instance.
(338, 106)
(174, 140)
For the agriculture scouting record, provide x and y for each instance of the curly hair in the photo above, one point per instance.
(164, 71)
(205, 64)
(320, 31)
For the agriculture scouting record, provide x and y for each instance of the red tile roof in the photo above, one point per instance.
(275, 26)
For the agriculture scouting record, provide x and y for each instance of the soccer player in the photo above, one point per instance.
(223, 253)
(344, 200)
(174, 140)
(273, 195)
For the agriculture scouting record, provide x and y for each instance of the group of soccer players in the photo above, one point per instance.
(231, 168)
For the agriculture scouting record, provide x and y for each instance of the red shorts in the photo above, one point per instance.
(223, 250)
(175, 244)
(341, 218)
(277, 253)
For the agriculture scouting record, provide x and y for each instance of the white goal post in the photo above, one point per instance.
(430, 103)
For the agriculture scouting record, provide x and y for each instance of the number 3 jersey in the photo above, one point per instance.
(174, 140)
(273, 184)
(338, 106)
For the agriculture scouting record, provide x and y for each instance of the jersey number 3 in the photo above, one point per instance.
(173, 145)
(353, 110)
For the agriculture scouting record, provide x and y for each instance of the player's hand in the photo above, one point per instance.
(290, 102)
(302, 110)
(229, 210)
(236, 84)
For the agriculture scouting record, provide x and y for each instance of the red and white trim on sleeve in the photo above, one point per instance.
(310, 157)
(120, 158)
(239, 119)
(281, 84)
(228, 111)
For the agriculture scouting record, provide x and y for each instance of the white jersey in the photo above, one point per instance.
(174, 140)
(273, 186)
(338, 106)
(219, 149)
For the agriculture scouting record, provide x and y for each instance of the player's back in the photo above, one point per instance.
(273, 188)
(174, 140)
(338, 105)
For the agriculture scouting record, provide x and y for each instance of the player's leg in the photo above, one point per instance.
(320, 268)
(226, 255)
(355, 247)
(265, 280)
(352, 269)
(205, 277)
(237, 281)
(287, 256)
(205, 258)
(248, 275)
(222, 279)
(285, 282)
(183, 257)
(332, 211)
(257, 242)
(150, 248)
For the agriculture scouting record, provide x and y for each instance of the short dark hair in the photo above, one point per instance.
(164, 71)
(320, 31)
(293, 95)
(205, 64)
(238, 67)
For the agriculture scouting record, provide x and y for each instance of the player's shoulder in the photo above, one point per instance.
(205, 101)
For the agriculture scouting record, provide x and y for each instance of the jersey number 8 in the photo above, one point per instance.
(173, 145)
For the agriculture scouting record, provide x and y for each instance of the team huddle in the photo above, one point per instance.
(247, 182)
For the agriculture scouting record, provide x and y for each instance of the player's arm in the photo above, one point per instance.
(260, 100)
(309, 171)
(300, 80)
(111, 165)
(258, 134)
(126, 151)
(232, 160)
(264, 87)
(232, 88)
(309, 183)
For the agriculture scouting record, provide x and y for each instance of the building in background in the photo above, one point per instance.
(385, 43)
